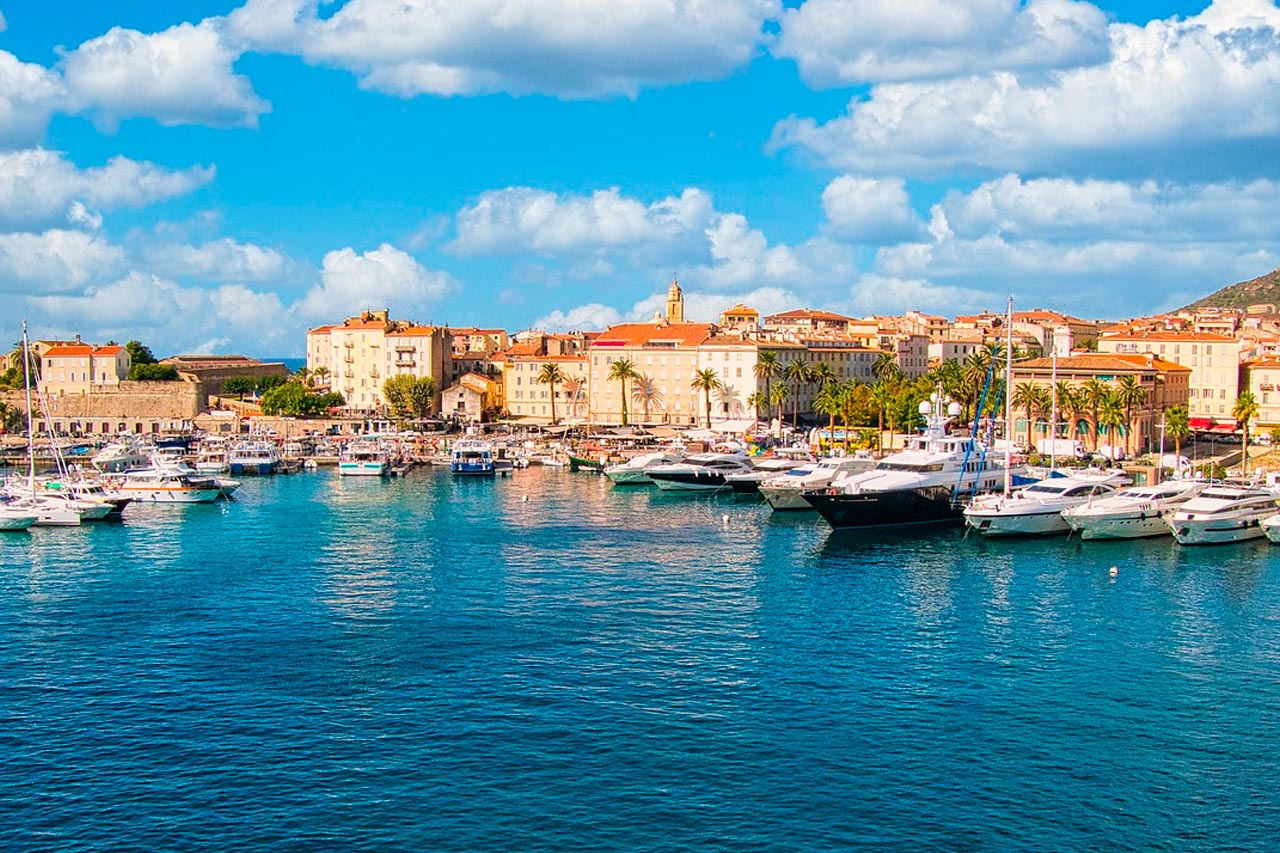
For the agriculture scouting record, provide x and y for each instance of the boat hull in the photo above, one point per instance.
(1047, 523)
(900, 507)
(174, 496)
(690, 482)
(1217, 532)
(253, 469)
(472, 469)
(1135, 526)
(362, 469)
(632, 477)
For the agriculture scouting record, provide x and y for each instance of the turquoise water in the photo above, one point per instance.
(432, 664)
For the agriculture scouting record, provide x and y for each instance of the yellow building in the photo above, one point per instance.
(358, 355)
(76, 369)
(526, 397)
(1214, 361)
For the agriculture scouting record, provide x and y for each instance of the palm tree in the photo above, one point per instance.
(645, 392)
(778, 393)
(1043, 406)
(321, 375)
(1111, 415)
(573, 394)
(1092, 393)
(1026, 397)
(552, 375)
(885, 367)
(848, 396)
(706, 381)
(828, 403)
(1245, 410)
(797, 372)
(757, 401)
(1177, 424)
(622, 370)
(1069, 406)
(881, 398)
(1131, 394)
(767, 368)
(822, 374)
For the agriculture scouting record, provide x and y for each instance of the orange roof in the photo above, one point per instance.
(557, 358)
(642, 334)
(808, 314)
(81, 350)
(412, 332)
(1161, 335)
(1104, 361)
(1262, 361)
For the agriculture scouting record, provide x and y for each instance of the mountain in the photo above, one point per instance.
(1264, 288)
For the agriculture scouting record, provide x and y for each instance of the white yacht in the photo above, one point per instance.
(120, 456)
(52, 509)
(15, 517)
(1036, 510)
(1271, 527)
(1132, 512)
(782, 460)
(1223, 513)
(253, 458)
(785, 491)
(635, 471)
(364, 459)
(472, 457)
(160, 484)
(211, 458)
(699, 472)
(925, 483)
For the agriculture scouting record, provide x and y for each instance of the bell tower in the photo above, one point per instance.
(675, 303)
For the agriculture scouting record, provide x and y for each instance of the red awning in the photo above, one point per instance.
(1224, 426)
(1199, 423)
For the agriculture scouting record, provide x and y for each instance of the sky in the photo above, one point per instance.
(212, 176)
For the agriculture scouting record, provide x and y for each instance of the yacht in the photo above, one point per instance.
(1133, 512)
(925, 483)
(53, 509)
(635, 471)
(119, 456)
(15, 517)
(253, 457)
(780, 461)
(785, 491)
(211, 458)
(700, 472)
(161, 484)
(472, 456)
(1036, 510)
(1271, 527)
(1223, 513)
(364, 459)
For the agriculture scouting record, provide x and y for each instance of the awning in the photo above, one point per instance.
(1224, 426)
(1200, 423)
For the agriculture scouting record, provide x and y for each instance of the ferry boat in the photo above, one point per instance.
(364, 459)
(1223, 513)
(472, 457)
(1132, 513)
(259, 458)
(1036, 510)
(785, 492)
(925, 483)
(700, 472)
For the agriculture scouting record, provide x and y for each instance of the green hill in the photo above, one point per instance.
(1264, 288)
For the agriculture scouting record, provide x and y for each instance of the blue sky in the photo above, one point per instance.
(222, 175)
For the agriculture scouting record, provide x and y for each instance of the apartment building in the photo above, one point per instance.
(358, 355)
(1214, 361)
(76, 368)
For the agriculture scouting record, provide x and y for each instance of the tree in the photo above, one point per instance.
(757, 401)
(152, 372)
(239, 385)
(293, 399)
(1177, 424)
(1130, 394)
(266, 383)
(552, 375)
(778, 392)
(1026, 398)
(321, 375)
(885, 367)
(408, 396)
(1092, 393)
(797, 373)
(1069, 406)
(828, 403)
(622, 370)
(822, 374)
(1111, 415)
(1245, 410)
(767, 368)
(645, 392)
(573, 394)
(881, 398)
(706, 381)
(139, 353)
(12, 419)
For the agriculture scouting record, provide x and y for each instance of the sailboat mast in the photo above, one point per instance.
(1053, 409)
(31, 430)
(1008, 398)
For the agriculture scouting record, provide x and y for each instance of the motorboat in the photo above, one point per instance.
(777, 462)
(471, 457)
(90, 489)
(1036, 510)
(211, 458)
(167, 484)
(700, 471)
(15, 517)
(119, 456)
(1223, 513)
(364, 459)
(927, 482)
(253, 458)
(1271, 527)
(785, 491)
(635, 471)
(55, 509)
(1133, 512)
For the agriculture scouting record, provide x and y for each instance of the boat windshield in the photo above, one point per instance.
(919, 467)
(1046, 489)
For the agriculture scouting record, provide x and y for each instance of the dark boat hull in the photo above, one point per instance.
(927, 505)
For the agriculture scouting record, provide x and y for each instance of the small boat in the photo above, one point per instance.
(119, 456)
(778, 462)
(168, 485)
(211, 458)
(1222, 514)
(1036, 510)
(258, 458)
(471, 457)
(785, 492)
(635, 471)
(364, 459)
(14, 517)
(1133, 512)
(700, 472)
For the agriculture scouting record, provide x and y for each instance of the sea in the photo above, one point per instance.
(545, 662)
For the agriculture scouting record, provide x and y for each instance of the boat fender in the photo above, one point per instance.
(1115, 570)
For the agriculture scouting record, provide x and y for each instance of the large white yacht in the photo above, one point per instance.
(699, 472)
(780, 461)
(785, 491)
(1222, 514)
(1132, 512)
(1037, 509)
(161, 484)
(635, 471)
(926, 483)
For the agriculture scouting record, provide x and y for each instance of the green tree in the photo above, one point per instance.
(1177, 424)
(293, 399)
(645, 392)
(239, 385)
(822, 375)
(622, 370)
(552, 375)
(573, 391)
(766, 369)
(1026, 397)
(152, 372)
(1092, 393)
(1111, 416)
(757, 401)
(266, 383)
(828, 403)
(139, 353)
(1131, 395)
(409, 396)
(778, 393)
(1245, 410)
(797, 373)
(885, 367)
(12, 419)
(881, 398)
(706, 381)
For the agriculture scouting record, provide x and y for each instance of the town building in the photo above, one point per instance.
(77, 368)
(357, 356)
(471, 399)
(1214, 360)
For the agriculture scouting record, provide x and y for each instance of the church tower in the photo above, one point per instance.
(675, 303)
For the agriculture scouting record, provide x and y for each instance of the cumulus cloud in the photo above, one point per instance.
(700, 306)
(879, 294)
(870, 210)
(590, 317)
(567, 48)
(1171, 90)
(843, 42)
(375, 279)
(29, 95)
(56, 260)
(39, 187)
(218, 260)
(182, 75)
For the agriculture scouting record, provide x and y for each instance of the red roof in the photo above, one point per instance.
(81, 350)
(640, 334)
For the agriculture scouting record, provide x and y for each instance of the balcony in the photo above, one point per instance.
(349, 373)
(373, 373)
(348, 359)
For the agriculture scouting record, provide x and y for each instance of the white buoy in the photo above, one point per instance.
(1115, 570)
(524, 499)
(725, 518)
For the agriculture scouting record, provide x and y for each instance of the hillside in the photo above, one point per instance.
(1264, 288)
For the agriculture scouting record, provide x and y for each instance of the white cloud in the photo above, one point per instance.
(182, 75)
(842, 42)
(878, 294)
(700, 306)
(29, 95)
(1172, 90)
(78, 214)
(39, 187)
(524, 219)
(55, 260)
(870, 210)
(385, 277)
(591, 317)
(567, 48)
(218, 260)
